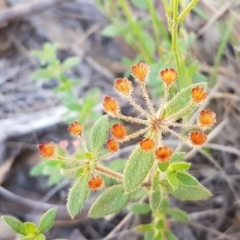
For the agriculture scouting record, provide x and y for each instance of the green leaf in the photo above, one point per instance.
(110, 201)
(164, 204)
(38, 169)
(180, 102)
(190, 193)
(145, 227)
(70, 63)
(155, 194)
(163, 166)
(187, 179)
(29, 237)
(117, 165)
(114, 30)
(140, 3)
(177, 157)
(42, 73)
(159, 224)
(30, 227)
(173, 180)
(148, 235)
(15, 224)
(99, 133)
(77, 196)
(40, 237)
(137, 168)
(180, 166)
(148, 42)
(140, 208)
(178, 214)
(47, 220)
(169, 235)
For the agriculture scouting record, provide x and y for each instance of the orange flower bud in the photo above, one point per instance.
(199, 94)
(47, 149)
(206, 118)
(75, 128)
(95, 183)
(198, 138)
(169, 76)
(147, 144)
(111, 105)
(118, 131)
(123, 85)
(163, 154)
(140, 71)
(112, 145)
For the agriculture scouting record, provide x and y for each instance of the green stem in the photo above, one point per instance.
(136, 30)
(185, 12)
(154, 21)
(175, 50)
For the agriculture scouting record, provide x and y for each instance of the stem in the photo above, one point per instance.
(135, 135)
(154, 22)
(181, 138)
(185, 12)
(131, 119)
(105, 156)
(147, 99)
(160, 111)
(138, 107)
(109, 173)
(182, 125)
(175, 50)
(136, 30)
(83, 143)
(69, 159)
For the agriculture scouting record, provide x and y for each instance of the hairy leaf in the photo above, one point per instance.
(15, 224)
(110, 201)
(180, 166)
(173, 180)
(187, 179)
(77, 196)
(180, 102)
(47, 220)
(137, 168)
(177, 157)
(178, 214)
(99, 134)
(140, 208)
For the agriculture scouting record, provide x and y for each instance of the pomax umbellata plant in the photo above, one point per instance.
(151, 165)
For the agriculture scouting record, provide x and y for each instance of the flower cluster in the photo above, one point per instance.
(156, 123)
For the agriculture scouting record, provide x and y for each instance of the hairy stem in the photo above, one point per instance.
(110, 173)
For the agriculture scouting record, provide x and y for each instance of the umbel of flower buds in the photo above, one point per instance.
(47, 149)
(95, 183)
(112, 145)
(111, 105)
(163, 154)
(147, 144)
(118, 131)
(140, 71)
(168, 76)
(206, 118)
(198, 138)
(123, 86)
(75, 128)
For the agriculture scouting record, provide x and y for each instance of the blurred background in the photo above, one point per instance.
(59, 58)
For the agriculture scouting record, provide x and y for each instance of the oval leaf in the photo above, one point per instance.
(173, 180)
(155, 194)
(178, 214)
(110, 201)
(177, 157)
(99, 134)
(137, 168)
(180, 166)
(15, 224)
(30, 227)
(181, 101)
(190, 193)
(140, 208)
(47, 220)
(77, 196)
(187, 179)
